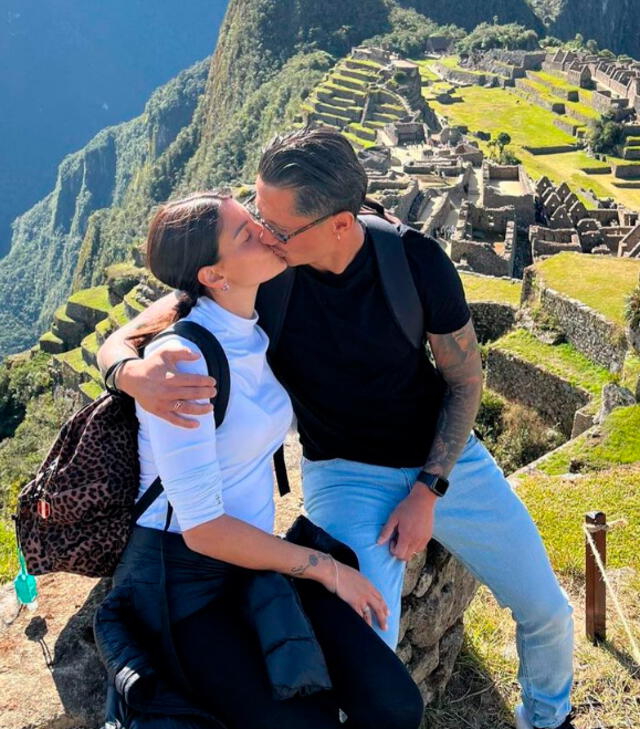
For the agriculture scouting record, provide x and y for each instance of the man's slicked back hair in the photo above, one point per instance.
(320, 165)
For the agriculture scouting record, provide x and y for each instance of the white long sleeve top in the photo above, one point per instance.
(207, 472)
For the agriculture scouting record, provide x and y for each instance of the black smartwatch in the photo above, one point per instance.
(436, 484)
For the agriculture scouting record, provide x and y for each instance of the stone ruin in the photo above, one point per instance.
(615, 84)
(567, 224)
(484, 240)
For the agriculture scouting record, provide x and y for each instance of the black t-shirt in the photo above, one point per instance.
(360, 391)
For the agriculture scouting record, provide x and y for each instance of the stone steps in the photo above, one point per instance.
(339, 91)
(89, 347)
(328, 96)
(364, 65)
(70, 331)
(358, 130)
(89, 306)
(51, 344)
(351, 112)
(358, 75)
(331, 120)
(383, 117)
(132, 306)
(349, 83)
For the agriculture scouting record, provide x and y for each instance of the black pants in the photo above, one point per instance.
(223, 663)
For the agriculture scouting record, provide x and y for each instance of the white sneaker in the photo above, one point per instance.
(522, 721)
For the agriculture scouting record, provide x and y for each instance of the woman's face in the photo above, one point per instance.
(244, 259)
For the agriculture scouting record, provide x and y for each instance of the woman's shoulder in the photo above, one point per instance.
(169, 341)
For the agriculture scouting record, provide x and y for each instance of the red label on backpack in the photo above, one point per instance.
(44, 509)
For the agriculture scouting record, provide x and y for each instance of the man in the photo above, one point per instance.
(382, 429)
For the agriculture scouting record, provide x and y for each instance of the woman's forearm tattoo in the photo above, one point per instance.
(313, 560)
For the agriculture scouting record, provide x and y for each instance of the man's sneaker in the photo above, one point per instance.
(522, 721)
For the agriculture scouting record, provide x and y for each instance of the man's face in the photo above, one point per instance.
(277, 207)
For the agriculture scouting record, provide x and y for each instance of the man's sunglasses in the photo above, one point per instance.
(283, 238)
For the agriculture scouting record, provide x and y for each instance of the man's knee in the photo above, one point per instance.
(550, 615)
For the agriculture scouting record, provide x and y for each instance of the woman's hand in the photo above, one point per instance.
(355, 589)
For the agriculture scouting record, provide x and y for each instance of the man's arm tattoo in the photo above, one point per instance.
(457, 357)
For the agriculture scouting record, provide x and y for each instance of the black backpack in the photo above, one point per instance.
(77, 513)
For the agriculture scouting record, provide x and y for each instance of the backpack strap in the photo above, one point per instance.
(397, 281)
(218, 368)
(272, 303)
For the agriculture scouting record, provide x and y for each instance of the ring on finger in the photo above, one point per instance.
(178, 405)
(366, 612)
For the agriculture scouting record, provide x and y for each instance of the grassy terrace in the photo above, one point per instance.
(495, 110)
(426, 72)
(616, 492)
(92, 389)
(61, 314)
(490, 288)
(561, 360)
(50, 337)
(602, 282)
(73, 358)
(618, 443)
(95, 298)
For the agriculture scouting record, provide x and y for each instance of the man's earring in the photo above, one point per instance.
(225, 286)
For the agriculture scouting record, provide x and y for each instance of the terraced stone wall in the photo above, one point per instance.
(492, 319)
(521, 381)
(587, 330)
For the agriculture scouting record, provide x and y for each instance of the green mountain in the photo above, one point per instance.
(37, 274)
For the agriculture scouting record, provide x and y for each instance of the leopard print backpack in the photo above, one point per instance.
(77, 513)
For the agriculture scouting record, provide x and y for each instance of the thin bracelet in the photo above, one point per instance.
(335, 592)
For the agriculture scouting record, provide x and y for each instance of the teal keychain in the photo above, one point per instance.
(25, 585)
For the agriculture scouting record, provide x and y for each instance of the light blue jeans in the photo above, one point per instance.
(485, 525)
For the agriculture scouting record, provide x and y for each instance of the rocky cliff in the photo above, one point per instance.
(38, 272)
(613, 23)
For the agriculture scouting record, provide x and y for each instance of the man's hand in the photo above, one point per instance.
(410, 525)
(155, 383)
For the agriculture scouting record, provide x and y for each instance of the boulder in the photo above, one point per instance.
(614, 396)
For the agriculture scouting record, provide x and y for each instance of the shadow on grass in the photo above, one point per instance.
(471, 700)
(624, 659)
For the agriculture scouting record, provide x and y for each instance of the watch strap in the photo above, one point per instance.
(436, 484)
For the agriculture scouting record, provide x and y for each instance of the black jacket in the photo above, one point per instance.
(140, 608)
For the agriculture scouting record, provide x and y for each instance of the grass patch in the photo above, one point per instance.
(559, 505)
(91, 389)
(561, 360)
(95, 298)
(490, 288)
(74, 359)
(600, 282)
(495, 110)
(118, 315)
(90, 343)
(61, 315)
(617, 443)
(483, 691)
(51, 337)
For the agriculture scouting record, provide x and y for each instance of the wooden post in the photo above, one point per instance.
(596, 595)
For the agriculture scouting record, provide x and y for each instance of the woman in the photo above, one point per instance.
(218, 507)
